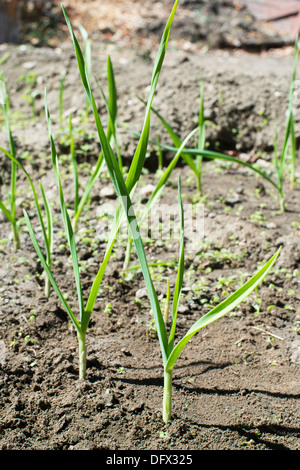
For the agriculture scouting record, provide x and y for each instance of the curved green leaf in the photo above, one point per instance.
(220, 310)
(222, 156)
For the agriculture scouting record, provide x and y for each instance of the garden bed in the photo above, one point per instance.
(236, 385)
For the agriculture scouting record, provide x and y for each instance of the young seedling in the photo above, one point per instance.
(293, 154)
(201, 140)
(289, 136)
(195, 163)
(111, 106)
(87, 59)
(194, 156)
(172, 352)
(47, 228)
(10, 212)
(61, 96)
(169, 351)
(156, 193)
(82, 324)
(86, 309)
(4, 58)
(30, 98)
(80, 202)
(75, 167)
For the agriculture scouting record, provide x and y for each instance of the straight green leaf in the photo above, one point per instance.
(88, 188)
(180, 272)
(140, 153)
(112, 123)
(49, 273)
(41, 220)
(290, 112)
(49, 244)
(164, 178)
(174, 137)
(65, 216)
(137, 163)
(112, 93)
(75, 167)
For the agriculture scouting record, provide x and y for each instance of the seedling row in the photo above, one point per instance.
(190, 151)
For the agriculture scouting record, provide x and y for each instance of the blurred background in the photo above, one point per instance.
(29, 21)
(247, 24)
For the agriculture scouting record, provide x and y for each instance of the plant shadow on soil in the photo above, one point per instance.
(236, 385)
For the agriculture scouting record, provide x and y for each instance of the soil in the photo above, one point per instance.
(236, 385)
